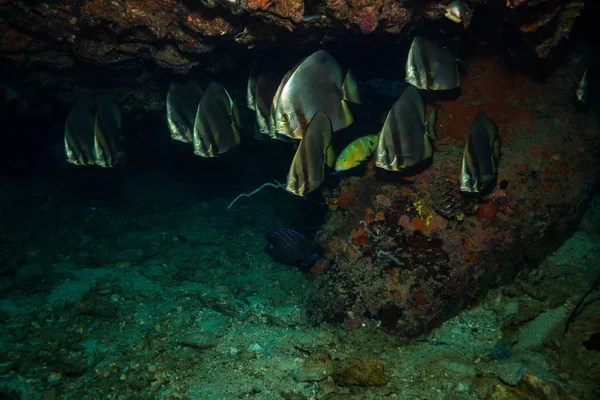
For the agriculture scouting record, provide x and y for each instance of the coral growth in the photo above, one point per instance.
(408, 255)
(149, 24)
(557, 17)
(565, 20)
(487, 211)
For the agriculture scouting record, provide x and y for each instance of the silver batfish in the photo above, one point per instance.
(107, 133)
(479, 168)
(405, 139)
(79, 134)
(216, 123)
(431, 67)
(307, 171)
(182, 104)
(315, 84)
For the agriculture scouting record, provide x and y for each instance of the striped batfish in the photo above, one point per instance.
(307, 171)
(107, 133)
(182, 104)
(480, 159)
(316, 84)
(430, 66)
(79, 134)
(406, 137)
(216, 124)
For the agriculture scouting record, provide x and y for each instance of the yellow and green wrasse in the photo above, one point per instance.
(356, 152)
(406, 137)
(79, 134)
(216, 123)
(107, 133)
(182, 104)
(315, 84)
(480, 159)
(307, 171)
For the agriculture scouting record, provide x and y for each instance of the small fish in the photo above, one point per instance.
(356, 152)
(79, 134)
(453, 12)
(431, 67)
(216, 123)
(234, 6)
(307, 171)
(107, 133)
(458, 11)
(290, 247)
(313, 17)
(581, 93)
(315, 84)
(182, 104)
(405, 139)
(480, 158)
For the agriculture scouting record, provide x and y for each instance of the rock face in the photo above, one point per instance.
(175, 33)
(132, 47)
(408, 253)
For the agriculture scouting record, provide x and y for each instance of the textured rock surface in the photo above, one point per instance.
(175, 34)
(61, 50)
(409, 253)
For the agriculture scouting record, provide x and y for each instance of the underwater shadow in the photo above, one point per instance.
(406, 175)
(430, 97)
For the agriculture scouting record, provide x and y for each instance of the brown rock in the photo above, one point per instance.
(364, 371)
(169, 56)
(317, 367)
(422, 255)
(530, 387)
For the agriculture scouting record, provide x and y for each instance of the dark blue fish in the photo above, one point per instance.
(387, 87)
(290, 247)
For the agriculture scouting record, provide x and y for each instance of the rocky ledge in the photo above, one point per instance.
(408, 253)
(176, 34)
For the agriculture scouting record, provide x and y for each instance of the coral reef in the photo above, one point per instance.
(409, 252)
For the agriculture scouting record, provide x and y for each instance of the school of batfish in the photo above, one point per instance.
(308, 104)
